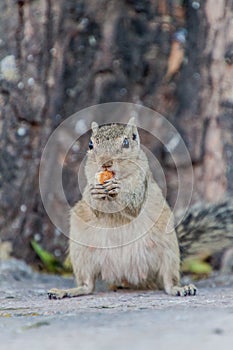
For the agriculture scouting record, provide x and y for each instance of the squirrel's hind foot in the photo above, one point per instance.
(57, 293)
(183, 291)
(70, 293)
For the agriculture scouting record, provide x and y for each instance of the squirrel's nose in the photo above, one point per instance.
(107, 164)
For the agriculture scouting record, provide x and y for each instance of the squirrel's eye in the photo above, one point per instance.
(126, 143)
(91, 144)
(134, 137)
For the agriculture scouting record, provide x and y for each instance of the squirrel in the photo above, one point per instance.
(122, 230)
(206, 230)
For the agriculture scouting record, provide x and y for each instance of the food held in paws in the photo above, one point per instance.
(103, 176)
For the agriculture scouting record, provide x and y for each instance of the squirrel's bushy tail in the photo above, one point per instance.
(206, 229)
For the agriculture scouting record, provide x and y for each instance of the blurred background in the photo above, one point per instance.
(58, 57)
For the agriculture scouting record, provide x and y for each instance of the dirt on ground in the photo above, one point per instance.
(111, 320)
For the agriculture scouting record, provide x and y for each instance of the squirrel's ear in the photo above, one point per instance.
(94, 127)
(132, 122)
(131, 125)
(132, 128)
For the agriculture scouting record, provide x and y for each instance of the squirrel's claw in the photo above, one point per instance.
(98, 191)
(57, 293)
(109, 188)
(184, 291)
(112, 187)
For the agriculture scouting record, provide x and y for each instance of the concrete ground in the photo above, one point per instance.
(111, 320)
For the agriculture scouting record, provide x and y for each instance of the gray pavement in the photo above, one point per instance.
(111, 320)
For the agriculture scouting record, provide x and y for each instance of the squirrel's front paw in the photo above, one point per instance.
(98, 191)
(109, 188)
(112, 187)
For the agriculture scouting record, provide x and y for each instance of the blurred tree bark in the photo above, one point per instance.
(58, 57)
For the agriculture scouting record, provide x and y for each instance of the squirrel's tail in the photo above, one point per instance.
(206, 230)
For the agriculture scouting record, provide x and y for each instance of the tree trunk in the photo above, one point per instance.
(58, 57)
(204, 115)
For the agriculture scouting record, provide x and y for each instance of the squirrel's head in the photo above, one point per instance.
(114, 141)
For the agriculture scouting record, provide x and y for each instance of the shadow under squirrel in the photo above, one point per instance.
(122, 230)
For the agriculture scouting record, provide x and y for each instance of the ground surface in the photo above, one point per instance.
(111, 320)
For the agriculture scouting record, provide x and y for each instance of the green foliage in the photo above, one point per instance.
(49, 261)
(197, 267)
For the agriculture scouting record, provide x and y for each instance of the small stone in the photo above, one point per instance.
(57, 118)
(180, 35)
(57, 232)
(20, 85)
(83, 23)
(123, 91)
(30, 58)
(53, 51)
(31, 81)
(92, 40)
(37, 237)
(195, 5)
(22, 131)
(57, 252)
(23, 208)
(70, 92)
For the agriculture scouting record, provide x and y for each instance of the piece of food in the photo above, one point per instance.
(103, 176)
